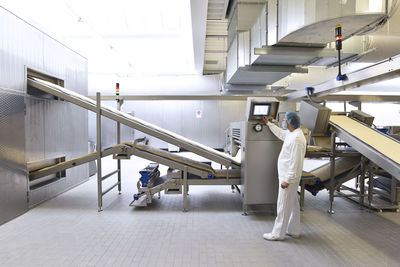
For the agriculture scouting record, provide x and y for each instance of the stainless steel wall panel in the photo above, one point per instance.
(13, 193)
(19, 46)
(13, 183)
(64, 128)
(12, 137)
(34, 130)
(52, 127)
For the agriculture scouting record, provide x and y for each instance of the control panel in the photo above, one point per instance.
(259, 107)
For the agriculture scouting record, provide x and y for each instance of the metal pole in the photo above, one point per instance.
(302, 191)
(370, 186)
(185, 189)
(394, 191)
(98, 130)
(332, 173)
(119, 103)
(362, 183)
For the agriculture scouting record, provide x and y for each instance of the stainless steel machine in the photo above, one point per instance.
(260, 150)
(184, 171)
(355, 151)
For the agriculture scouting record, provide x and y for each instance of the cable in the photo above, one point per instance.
(310, 91)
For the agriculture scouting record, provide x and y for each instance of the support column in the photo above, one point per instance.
(98, 132)
(185, 189)
(362, 183)
(302, 192)
(370, 185)
(119, 103)
(332, 173)
(393, 193)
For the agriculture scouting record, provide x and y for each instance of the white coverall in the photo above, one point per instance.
(290, 167)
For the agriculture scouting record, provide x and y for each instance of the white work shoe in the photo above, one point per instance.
(270, 237)
(293, 235)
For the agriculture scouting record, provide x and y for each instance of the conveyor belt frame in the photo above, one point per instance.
(153, 132)
(381, 160)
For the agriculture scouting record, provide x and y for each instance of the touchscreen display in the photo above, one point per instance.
(261, 109)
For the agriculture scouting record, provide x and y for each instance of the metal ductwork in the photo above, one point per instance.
(268, 40)
(312, 23)
(244, 35)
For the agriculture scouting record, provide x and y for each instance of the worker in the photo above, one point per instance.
(290, 167)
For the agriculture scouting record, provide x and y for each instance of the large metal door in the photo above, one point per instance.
(13, 180)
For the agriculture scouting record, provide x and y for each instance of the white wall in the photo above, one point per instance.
(177, 116)
(180, 117)
(386, 114)
(159, 85)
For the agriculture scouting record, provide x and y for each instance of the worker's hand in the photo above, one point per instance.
(284, 185)
(265, 119)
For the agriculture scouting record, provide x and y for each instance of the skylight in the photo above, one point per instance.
(123, 37)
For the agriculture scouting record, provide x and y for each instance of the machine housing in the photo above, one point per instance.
(259, 152)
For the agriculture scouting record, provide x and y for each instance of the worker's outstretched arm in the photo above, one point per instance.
(278, 132)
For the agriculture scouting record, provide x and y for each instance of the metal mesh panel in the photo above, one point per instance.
(12, 133)
(13, 184)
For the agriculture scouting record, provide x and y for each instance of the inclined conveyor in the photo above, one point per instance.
(135, 123)
(378, 147)
(190, 172)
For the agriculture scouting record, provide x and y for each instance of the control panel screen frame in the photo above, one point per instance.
(258, 110)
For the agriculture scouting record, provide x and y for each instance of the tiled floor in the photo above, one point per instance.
(68, 231)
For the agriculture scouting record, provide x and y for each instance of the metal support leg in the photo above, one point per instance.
(185, 189)
(302, 191)
(245, 209)
(99, 174)
(332, 173)
(393, 192)
(362, 183)
(118, 142)
(119, 175)
(370, 186)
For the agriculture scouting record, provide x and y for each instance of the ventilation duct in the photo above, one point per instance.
(286, 35)
(312, 23)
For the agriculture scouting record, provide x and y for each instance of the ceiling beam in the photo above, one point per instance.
(360, 98)
(274, 68)
(384, 70)
(227, 97)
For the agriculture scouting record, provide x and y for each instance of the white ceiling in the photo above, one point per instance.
(124, 37)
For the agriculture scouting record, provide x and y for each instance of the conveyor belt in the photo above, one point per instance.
(374, 145)
(345, 169)
(340, 178)
(147, 152)
(235, 173)
(342, 165)
(135, 123)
